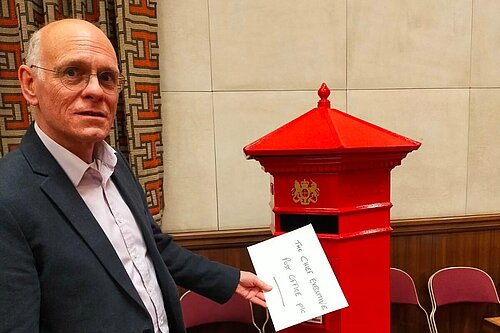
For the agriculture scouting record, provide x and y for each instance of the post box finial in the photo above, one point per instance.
(323, 93)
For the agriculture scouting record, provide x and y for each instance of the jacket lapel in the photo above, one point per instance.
(66, 198)
(132, 195)
(124, 181)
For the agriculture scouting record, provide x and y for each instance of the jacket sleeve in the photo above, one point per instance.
(19, 286)
(195, 272)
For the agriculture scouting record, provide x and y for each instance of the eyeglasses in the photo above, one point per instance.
(76, 79)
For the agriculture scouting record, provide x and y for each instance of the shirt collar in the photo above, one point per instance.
(104, 158)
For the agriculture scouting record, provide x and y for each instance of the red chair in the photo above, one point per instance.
(403, 291)
(460, 284)
(199, 310)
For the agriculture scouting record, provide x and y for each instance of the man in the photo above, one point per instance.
(79, 250)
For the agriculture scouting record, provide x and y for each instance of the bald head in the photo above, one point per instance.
(52, 36)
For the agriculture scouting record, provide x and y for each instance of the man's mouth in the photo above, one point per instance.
(92, 114)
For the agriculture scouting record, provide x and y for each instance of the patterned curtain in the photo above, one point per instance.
(132, 27)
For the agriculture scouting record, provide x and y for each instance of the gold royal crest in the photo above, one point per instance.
(305, 192)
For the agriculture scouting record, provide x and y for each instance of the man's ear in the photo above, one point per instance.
(26, 79)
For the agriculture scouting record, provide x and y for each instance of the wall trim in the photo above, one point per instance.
(445, 224)
(196, 240)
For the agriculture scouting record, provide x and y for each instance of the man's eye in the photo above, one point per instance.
(107, 77)
(71, 72)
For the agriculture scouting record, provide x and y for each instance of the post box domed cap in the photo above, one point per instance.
(324, 130)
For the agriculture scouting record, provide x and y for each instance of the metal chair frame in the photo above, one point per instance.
(463, 290)
(403, 291)
(200, 310)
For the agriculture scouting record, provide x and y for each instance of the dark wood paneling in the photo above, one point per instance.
(422, 246)
(419, 246)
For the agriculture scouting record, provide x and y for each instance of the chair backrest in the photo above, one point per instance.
(403, 288)
(199, 310)
(458, 285)
(462, 284)
(403, 291)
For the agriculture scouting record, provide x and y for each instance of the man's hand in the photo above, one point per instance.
(252, 288)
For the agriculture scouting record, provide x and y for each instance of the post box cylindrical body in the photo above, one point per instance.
(332, 170)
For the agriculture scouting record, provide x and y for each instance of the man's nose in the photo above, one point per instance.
(93, 86)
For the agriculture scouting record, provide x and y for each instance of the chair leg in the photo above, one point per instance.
(253, 319)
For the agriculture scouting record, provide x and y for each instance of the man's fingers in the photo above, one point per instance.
(258, 301)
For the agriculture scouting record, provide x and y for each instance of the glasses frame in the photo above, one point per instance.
(119, 87)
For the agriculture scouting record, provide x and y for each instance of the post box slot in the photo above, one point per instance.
(322, 224)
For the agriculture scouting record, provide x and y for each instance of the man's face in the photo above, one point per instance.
(74, 118)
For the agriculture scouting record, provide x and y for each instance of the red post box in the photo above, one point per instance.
(332, 170)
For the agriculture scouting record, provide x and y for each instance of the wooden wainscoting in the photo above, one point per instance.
(422, 246)
(419, 246)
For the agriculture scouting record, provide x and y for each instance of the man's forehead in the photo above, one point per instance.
(73, 25)
(75, 43)
(77, 32)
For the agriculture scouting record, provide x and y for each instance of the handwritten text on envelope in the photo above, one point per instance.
(304, 285)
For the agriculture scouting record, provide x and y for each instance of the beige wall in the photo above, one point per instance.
(233, 70)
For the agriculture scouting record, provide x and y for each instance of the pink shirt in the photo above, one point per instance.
(93, 182)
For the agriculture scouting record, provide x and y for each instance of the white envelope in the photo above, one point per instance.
(304, 285)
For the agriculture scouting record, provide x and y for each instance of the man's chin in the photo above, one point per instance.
(95, 135)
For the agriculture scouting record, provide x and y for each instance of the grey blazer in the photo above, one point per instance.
(59, 272)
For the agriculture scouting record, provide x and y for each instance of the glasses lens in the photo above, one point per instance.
(73, 78)
(108, 81)
(76, 79)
